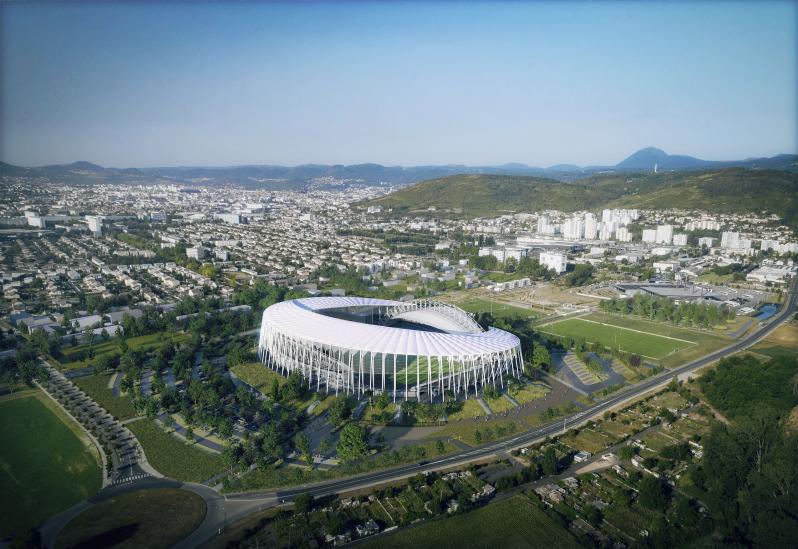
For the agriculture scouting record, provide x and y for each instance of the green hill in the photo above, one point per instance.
(722, 191)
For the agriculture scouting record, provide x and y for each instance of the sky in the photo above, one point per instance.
(209, 84)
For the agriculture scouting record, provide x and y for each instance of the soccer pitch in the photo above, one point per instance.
(630, 340)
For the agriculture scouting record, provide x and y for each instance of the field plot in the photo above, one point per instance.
(471, 409)
(46, 462)
(499, 405)
(96, 387)
(73, 355)
(147, 518)
(590, 441)
(173, 457)
(498, 308)
(781, 341)
(530, 392)
(647, 344)
(515, 522)
(258, 375)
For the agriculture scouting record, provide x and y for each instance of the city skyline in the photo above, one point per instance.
(395, 84)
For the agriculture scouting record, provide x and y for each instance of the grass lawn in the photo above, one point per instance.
(258, 375)
(174, 457)
(634, 340)
(530, 392)
(47, 463)
(590, 441)
(71, 359)
(499, 405)
(96, 386)
(669, 399)
(471, 409)
(516, 522)
(705, 342)
(781, 341)
(374, 416)
(500, 309)
(147, 518)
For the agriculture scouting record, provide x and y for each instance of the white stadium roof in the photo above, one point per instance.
(300, 318)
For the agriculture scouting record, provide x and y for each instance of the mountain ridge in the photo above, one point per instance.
(727, 190)
(297, 177)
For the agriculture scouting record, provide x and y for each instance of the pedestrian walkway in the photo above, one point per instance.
(580, 370)
(146, 382)
(484, 406)
(132, 478)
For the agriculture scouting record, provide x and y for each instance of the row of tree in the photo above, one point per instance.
(697, 313)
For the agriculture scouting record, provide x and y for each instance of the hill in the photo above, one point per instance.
(301, 177)
(721, 191)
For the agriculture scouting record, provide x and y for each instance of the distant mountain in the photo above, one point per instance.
(725, 190)
(646, 159)
(300, 177)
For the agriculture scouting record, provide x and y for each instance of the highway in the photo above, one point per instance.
(224, 510)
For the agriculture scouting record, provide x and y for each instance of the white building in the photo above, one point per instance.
(649, 235)
(554, 260)
(706, 241)
(573, 229)
(623, 235)
(732, 241)
(231, 218)
(545, 226)
(95, 224)
(680, 239)
(591, 226)
(197, 252)
(664, 234)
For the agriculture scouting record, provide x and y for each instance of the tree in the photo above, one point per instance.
(652, 493)
(274, 392)
(324, 446)
(189, 434)
(302, 443)
(541, 357)
(340, 410)
(440, 447)
(88, 335)
(303, 503)
(550, 462)
(352, 443)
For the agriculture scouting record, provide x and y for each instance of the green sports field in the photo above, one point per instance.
(45, 467)
(631, 340)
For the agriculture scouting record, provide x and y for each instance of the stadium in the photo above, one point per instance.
(424, 349)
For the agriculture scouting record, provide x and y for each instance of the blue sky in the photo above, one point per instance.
(395, 83)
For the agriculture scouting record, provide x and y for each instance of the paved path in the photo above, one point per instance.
(223, 510)
(198, 439)
(621, 398)
(741, 330)
(118, 384)
(169, 378)
(146, 382)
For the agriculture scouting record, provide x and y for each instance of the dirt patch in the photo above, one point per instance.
(792, 421)
(785, 335)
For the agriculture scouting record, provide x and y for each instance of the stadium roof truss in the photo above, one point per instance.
(419, 349)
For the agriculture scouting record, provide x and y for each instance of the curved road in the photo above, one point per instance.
(224, 510)
(237, 506)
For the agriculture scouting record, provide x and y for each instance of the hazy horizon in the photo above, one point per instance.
(397, 84)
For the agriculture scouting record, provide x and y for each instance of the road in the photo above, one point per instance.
(224, 510)
(243, 504)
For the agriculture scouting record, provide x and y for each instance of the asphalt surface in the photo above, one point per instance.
(224, 510)
(529, 437)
